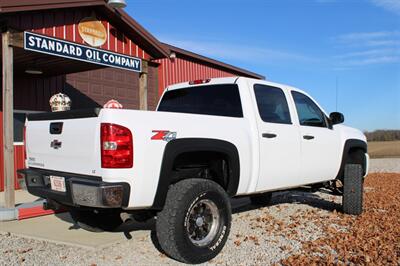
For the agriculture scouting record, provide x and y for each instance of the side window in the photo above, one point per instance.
(272, 104)
(308, 112)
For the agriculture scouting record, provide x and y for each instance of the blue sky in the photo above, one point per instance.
(308, 44)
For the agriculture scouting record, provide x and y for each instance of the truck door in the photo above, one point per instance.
(279, 140)
(320, 144)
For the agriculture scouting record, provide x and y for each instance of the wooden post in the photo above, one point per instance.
(143, 84)
(8, 120)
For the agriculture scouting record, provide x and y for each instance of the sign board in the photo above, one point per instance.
(52, 46)
(92, 31)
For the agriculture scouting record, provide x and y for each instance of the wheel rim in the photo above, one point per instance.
(203, 221)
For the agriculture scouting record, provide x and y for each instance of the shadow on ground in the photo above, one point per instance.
(305, 196)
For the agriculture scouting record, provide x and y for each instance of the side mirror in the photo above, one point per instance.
(336, 118)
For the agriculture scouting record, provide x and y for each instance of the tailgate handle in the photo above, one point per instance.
(56, 128)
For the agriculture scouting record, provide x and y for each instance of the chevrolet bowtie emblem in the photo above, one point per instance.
(55, 144)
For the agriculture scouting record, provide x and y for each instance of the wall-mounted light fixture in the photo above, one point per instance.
(172, 55)
(34, 71)
(117, 3)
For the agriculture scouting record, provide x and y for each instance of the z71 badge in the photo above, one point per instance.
(163, 135)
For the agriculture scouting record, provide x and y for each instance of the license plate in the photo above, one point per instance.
(57, 183)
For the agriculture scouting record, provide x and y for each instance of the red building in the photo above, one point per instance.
(89, 51)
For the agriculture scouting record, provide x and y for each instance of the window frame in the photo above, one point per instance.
(286, 99)
(325, 120)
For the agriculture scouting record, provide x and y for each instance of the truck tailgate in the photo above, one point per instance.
(65, 141)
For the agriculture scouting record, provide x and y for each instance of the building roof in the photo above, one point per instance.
(127, 23)
(120, 17)
(213, 62)
(29, 5)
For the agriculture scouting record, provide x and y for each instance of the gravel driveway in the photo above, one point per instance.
(297, 227)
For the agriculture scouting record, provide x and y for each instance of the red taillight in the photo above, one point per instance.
(116, 146)
(25, 142)
(199, 81)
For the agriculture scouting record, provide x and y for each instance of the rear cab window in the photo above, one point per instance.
(217, 100)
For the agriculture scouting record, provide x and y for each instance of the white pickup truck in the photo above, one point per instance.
(208, 141)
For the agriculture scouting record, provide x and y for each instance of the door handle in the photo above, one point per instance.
(308, 137)
(269, 135)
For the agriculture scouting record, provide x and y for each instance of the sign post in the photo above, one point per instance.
(143, 84)
(8, 123)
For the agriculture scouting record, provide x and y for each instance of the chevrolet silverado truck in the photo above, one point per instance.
(209, 141)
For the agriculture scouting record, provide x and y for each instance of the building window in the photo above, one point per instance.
(272, 104)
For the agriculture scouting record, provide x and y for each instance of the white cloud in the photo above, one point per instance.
(372, 61)
(377, 38)
(239, 52)
(325, 1)
(390, 5)
(368, 48)
(368, 57)
(376, 52)
(383, 43)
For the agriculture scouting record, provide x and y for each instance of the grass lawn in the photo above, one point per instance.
(384, 149)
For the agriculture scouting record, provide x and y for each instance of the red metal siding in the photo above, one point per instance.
(63, 24)
(19, 158)
(19, 161)
(182, 70)
(1, 153)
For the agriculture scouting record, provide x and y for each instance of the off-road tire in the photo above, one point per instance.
(96, 222)
(261, 199)
(353, 189)
(171, 224)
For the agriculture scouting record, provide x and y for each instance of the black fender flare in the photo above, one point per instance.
(351, 144)
(178, 146)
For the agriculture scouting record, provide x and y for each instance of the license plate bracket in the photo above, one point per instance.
(58, 183)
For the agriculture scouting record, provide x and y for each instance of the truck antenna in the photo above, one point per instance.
(337, 92)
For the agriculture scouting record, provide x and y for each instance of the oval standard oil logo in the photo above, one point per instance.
(92, 31)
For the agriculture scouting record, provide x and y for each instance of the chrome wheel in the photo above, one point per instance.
(203, 220)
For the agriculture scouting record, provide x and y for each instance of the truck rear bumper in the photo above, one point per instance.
(75, 190)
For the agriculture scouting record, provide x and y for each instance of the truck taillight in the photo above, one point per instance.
(116, 146)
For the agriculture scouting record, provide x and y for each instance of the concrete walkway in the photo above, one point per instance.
(21, 196)
(60, 229)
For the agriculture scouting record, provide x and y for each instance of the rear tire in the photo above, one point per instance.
(96, 221)
(195, 222)
(353, 189)
(261, 199)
